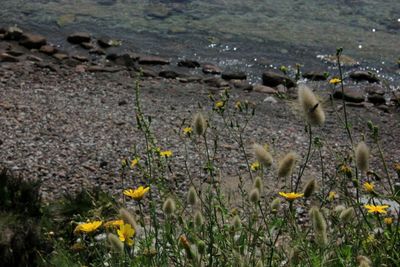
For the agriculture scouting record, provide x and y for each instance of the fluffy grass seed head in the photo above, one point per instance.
(319, 225)
(310, 188)
(169, 206)
(286, 164)
(262, 155)
(363, 261)
(312, 109)
(127, 217)
(115, 243)
(254, 196)
(318, 220)
(199, 124)
(258, 183)
(236, 222)
(346, 215)
(192, 196)
(201, 246)
(275, 204)
(362, 157)
(198, 219)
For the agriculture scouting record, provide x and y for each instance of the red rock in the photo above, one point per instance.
(48, 49)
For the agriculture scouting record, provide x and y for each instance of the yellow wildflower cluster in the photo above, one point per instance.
(255, 166)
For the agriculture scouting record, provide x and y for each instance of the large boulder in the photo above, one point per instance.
(274, 79)
(361, 75)
(188, 63)
(238, 75)
(351, 94)
(32, 41)
(153, 60)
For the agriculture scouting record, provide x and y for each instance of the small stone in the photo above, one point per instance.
(80, 68)
(360, 75)
(15, 52)
(314, 76)
(13, 33)
(87, 45)
(216, 82)
(4, 57)
(32, 41)
(153, 60)
(168, 74)
(60, 56)
(242, 85)
(105, 42)
(264, 89)
(103, 69)
(211, 69)
(271, 100)
(34, 58)
(188, 63)
(97, 51)
(79, 37)
(234, 75)
(48, 49)
(376, 99)
(122, 102)
(123, 60)
(273, 79)
(80, 58)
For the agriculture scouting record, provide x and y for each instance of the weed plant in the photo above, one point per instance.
(343, 216)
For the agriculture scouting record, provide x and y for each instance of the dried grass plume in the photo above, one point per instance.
(262, 155)
(311, 107)
(362, 157)
(286, 165)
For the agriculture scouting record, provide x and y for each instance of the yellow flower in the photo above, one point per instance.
(87, 227)
(166, 153)
(397, 167)
(376, 209)
(345, 169)
(369, 187)
(134, 162)
(238, 105)
(187, 130)
(388, 220)
(136, 194)
(255, 166)
(291, 196)
(219, 104)
(125, 234)
(114, 223)
(335, 81)
(331, 195)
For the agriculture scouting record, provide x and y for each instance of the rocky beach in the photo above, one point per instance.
(68, 119)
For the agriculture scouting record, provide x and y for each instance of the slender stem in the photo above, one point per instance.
(301, 172)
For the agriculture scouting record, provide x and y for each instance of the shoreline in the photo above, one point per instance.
(68, 118)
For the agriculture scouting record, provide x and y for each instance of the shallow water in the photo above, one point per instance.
(232, 33)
